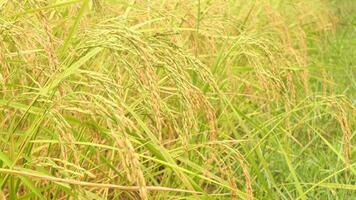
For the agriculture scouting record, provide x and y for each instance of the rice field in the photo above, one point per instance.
(178, 99)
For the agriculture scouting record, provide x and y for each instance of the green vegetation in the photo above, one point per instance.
(204, 99)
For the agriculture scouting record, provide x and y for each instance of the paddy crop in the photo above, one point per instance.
(205, 99)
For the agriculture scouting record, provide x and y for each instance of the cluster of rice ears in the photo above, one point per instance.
(171, 100)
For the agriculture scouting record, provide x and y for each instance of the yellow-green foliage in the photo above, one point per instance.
(168, 99)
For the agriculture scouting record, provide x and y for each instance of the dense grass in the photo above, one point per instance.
(177, 99)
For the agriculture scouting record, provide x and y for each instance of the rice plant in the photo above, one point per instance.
(168, 99)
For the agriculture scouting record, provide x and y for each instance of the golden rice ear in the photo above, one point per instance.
(130, 162)
(342, 109)
(344, 121)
